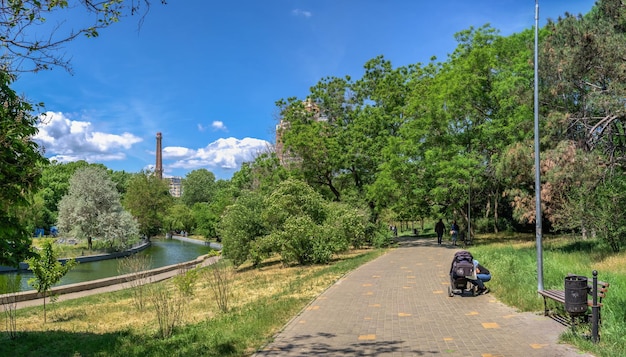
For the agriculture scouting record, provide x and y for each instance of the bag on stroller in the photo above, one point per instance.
(461, 270)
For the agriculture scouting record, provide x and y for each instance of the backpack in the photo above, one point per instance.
(462, 264)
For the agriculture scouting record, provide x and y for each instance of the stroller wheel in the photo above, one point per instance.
(450, 293)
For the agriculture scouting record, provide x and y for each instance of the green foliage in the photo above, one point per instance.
(20, 171)
(148, 199)
(240, 227)
(294, 222)
(10, 285)
(92, 209)
(290, 199)
(262, 174)
(185, 282)
(198, 187)
(348, 225)
(47, 271)
(606, 212)
(179, 217)
(205, 220)
(302, 241)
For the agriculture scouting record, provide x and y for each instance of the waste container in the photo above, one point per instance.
(576, 294)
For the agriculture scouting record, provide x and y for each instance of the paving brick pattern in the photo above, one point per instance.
(398, 305)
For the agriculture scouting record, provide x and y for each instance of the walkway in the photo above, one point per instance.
(397, 305)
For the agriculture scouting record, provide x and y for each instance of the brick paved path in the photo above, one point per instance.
(397, 305)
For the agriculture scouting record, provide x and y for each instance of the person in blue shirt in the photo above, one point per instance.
(454, 231)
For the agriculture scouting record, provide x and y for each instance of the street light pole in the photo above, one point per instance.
(538, 228)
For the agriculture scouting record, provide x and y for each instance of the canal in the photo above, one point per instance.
(162, 252)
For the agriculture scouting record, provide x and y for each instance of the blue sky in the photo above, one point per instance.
(207, 74)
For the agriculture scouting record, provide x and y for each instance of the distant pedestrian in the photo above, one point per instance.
(454, 232)
(439, 229)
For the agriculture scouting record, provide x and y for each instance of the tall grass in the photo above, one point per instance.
(262, 301)
(514, 281)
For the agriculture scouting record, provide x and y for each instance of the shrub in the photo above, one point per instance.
(240, 226)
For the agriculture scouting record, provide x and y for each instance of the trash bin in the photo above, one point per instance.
(576, 294)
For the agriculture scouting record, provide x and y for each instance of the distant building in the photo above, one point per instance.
(285, 156)
(176, 186)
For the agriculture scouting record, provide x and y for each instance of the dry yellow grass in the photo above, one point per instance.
(112, 312)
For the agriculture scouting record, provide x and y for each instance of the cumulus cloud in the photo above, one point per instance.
(176, 152)
(68, 140)
(303, 13)
(227, 153)
(218, 125)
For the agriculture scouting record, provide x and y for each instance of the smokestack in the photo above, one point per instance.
(159, 159)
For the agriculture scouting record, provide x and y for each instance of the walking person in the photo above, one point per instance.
(454, 231)
(439, 229)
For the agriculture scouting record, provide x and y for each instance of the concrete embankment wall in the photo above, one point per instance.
(89, 258)
(94, 284)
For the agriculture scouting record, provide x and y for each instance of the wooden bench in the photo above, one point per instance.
(601, 289)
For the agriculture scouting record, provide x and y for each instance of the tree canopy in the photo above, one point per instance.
(92, 209)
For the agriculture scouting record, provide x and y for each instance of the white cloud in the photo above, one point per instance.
(177, 152)
(218, 125)
(303, 13)
(227, 153)
(68, 140)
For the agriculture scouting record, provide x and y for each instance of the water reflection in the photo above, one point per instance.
(161, 253)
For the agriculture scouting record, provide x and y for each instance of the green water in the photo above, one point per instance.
(161, 253)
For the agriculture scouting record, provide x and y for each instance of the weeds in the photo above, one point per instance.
(135, 268)
(10, 285)
(219, 277)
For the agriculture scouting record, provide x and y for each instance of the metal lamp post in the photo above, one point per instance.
(538, 228)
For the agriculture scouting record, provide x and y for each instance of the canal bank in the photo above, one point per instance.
(88, 258)
(73, 291)
(163, 255)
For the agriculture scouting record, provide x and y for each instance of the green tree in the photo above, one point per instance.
(22, 162)
(92, 209)
(262, 174)
(148, 199)
(198, 186)
(242, 229)
(47, 271)
(295, 215)
(55, 183)
(205, 220)
(179, 217)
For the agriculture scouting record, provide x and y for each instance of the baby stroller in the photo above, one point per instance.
(461, 271)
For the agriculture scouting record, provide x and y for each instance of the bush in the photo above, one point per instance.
(347, 225)
(381, 236)
(240, 226)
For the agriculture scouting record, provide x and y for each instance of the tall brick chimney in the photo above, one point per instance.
(159, 159)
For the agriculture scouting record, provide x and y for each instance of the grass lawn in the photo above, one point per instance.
(513, 264)
(263, 300)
